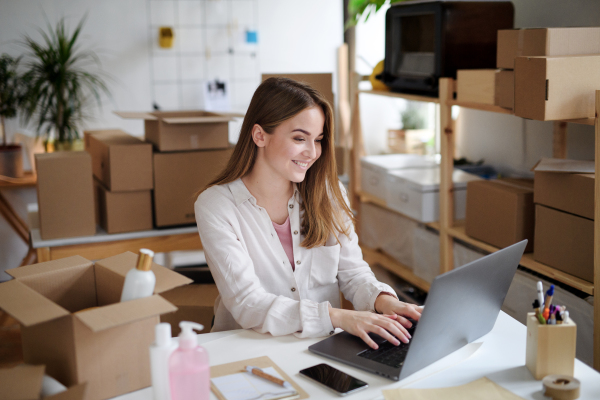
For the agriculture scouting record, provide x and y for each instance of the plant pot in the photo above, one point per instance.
(11, 161)
(69, 145)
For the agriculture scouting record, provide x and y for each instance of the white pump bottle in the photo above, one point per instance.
(160, 352)
(140, 281)
(189, 372)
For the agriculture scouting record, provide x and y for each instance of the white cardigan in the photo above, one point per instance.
(257, 287)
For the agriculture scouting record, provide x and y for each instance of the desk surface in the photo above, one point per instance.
(500, 356)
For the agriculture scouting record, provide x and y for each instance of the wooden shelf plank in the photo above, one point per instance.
(372, 256)
(411, 97)
(481, 106)
(527, 261)
(369, 198)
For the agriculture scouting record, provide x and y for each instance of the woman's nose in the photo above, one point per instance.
(311, 149)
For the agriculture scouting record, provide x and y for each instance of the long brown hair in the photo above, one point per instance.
(275, 101)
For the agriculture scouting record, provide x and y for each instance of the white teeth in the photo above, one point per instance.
(303, 165)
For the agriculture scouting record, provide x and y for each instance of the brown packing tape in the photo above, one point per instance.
(561, 387)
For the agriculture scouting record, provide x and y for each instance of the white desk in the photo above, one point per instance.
(500, 355)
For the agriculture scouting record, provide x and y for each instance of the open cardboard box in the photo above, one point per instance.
(184, 130)
(24, 382)
(72, 321)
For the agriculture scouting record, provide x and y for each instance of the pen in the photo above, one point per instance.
(552, 320)
(548, 302)
(259, 372)
(559, 319)
(540, 293)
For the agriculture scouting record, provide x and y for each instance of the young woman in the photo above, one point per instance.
(278, 233)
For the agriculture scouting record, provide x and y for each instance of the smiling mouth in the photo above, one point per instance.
(301, 164)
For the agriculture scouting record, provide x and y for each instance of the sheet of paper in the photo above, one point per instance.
(246, 386)
(479, 389)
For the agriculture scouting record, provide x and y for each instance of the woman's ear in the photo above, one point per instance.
(259, 135)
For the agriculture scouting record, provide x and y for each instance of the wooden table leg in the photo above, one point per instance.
(43, 254)
(29, 258)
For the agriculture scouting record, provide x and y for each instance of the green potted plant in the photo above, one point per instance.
(11, 161)
(59, 84)
(357, 8)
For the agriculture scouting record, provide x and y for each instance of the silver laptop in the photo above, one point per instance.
(462, 305)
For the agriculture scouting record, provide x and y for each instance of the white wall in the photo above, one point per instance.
(293, 37)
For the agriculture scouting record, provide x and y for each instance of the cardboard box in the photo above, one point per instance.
(501, 212)
(321, 82)
(184, 130)
(564, 241)
(553, 88)
(65, 193)
(177, 179)
(120, 161)
(514, 43)
(504, 90)
(194, 303)
(24, 382)
(550, 349)
(476, 85)
(87, 134)
(72, 321)
(566, 185)
(123, 211)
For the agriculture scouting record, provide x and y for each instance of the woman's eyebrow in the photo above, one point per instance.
(305, 132)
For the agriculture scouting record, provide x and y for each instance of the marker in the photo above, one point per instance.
(540, 293)
(552, 320)
(548, 300)
(566, 317)
(536, 306)
(559, 319)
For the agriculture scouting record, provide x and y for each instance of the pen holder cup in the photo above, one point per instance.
(550, 348)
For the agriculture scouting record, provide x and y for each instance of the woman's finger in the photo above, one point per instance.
(385, 334)
(397, 330)
(367, 339)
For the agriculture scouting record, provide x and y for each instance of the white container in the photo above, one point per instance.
(415, 192)
(160, 352)
(140, 281)
(375, 168)
(386, 230)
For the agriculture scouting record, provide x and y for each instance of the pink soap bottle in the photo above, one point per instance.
(189, 373)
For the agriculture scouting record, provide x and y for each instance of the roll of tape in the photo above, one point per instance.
(561, 387)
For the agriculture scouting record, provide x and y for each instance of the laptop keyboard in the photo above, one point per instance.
(389, 354)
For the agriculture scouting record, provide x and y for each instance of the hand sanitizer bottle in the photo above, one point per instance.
(189, 372)
(160, 352)
(140, 281)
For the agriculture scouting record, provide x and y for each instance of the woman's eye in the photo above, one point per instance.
(299, 139)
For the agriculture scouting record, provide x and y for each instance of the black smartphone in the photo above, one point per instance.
(334, 379)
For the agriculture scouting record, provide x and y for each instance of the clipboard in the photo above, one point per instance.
(238, 366)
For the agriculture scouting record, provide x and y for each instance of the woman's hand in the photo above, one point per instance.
(360, 323)
(389, 305)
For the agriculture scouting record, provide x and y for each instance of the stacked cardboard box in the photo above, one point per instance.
(500, 212)
(564, 216)
(191, 148)
(25, 382)
(122, 167)
(73, 322)
(476, 85)
(548, 73)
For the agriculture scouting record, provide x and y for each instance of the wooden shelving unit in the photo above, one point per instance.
(450, 229)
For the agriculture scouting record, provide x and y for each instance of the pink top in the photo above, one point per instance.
(285, 237)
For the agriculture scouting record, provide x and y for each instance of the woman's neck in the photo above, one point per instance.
(266, 188)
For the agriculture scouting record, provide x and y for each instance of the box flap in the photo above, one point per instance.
(113, 315)
(135, 115)
(22, 382)
(49, 266)
(165, 278)
(76, 392)
(197, 120)
(565, 166)
(26, 305)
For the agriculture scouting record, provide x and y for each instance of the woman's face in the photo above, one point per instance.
(295, 145)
